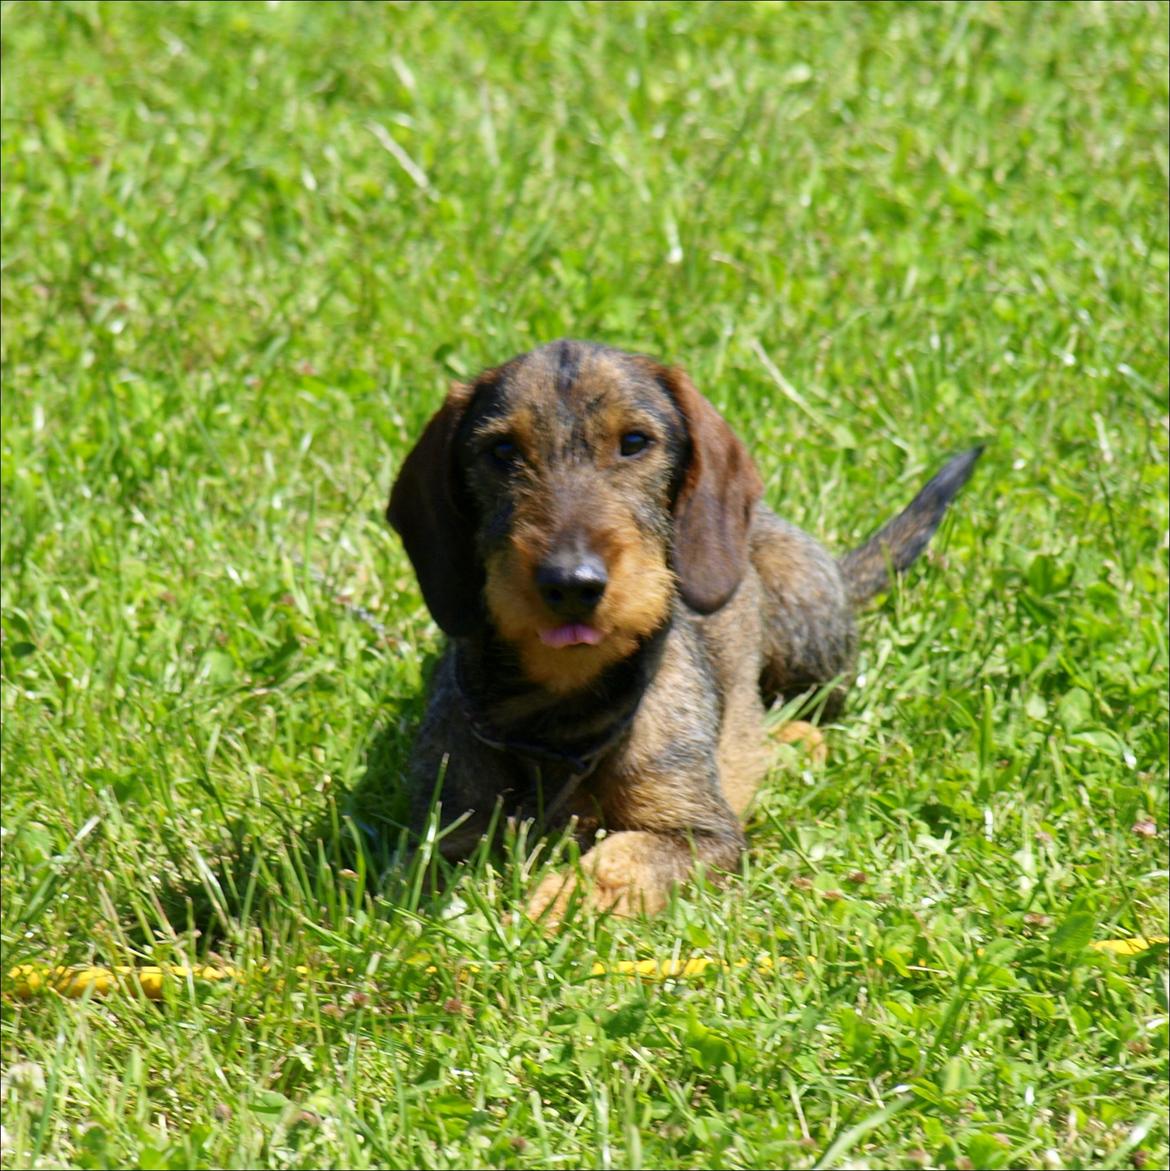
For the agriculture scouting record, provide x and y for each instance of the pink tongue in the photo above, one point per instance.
(571, 634)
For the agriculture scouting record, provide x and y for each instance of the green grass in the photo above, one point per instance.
(244, 248)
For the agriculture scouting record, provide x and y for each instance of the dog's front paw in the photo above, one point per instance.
(548, 903)
(628, 873)
(807, 736)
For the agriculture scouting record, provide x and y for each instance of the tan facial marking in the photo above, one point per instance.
(569, 485)
(636, 602)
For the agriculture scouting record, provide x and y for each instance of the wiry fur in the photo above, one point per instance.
(714, 607)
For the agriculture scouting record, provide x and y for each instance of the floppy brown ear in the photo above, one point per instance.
(425, 511)
(714, 505)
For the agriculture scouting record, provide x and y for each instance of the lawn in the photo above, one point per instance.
(246, 246)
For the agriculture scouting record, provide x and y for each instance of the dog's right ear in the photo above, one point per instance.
(427, 513)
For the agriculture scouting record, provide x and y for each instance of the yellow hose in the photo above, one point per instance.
(29, 979)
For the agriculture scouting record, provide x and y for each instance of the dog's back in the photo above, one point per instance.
(809, 597)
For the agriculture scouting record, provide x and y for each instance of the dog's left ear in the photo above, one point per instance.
(428, 515)
(714, 506)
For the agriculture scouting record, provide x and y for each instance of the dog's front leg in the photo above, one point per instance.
(633, 871)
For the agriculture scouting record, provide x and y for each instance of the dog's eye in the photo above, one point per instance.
(633, 442)
(503, 452)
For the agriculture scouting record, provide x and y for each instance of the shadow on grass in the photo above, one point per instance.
(294, 873)
(311, 875)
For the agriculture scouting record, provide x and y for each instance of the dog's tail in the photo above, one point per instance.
(895, 545)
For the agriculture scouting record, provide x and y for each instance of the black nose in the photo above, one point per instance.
(571, 583)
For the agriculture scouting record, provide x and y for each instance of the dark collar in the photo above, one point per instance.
(561, 763)
(581, 758)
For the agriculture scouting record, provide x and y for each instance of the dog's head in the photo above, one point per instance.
(564, 497)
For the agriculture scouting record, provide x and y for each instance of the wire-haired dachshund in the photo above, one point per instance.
(621, 610)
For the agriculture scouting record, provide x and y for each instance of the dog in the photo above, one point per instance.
(621, 611)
